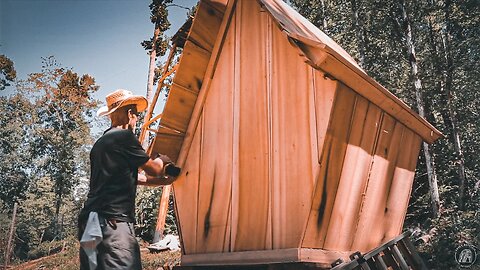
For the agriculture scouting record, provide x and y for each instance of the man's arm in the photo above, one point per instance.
(147, 180)
(153, 167)
(159, 171)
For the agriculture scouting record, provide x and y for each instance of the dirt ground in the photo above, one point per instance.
(68, 260)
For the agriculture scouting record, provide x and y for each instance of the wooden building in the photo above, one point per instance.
(290, 151)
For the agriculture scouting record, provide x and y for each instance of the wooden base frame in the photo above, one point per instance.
(271, 266)
(308, 257)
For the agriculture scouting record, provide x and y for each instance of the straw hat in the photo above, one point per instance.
(120, 98)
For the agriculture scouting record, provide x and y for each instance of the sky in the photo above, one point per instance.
(97, 37)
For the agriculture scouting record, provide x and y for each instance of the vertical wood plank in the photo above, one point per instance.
(216, 166)
(356, 166)
(325, 90)
(235, 202)
(253, 127)
(293, 143)
(402, 182)
(186, 191)
(333, 153)
(369, 231)
(268, 53)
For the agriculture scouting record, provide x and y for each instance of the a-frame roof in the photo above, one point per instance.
(201, 52)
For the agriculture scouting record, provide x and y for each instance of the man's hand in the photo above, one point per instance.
(147, 180)
(172, 170)
(159, 171)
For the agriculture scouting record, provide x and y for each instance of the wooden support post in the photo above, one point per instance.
(10, 236)
(162, 213)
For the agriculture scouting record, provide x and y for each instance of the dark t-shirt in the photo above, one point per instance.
(114, 162)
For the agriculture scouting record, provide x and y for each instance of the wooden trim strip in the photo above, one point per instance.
(320, 256)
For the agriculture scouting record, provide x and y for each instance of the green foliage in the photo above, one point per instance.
(44, 148)
(4, 230)
(64, 105)
(147, 201)
(15, 150)
(159, 17)
(7, 72)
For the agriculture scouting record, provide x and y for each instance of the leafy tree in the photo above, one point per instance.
(7, 72)
(64, 105)
(158, 44)
(16, 152)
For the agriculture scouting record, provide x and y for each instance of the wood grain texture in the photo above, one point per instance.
(292, 172)
(333, 154)
(253, 186)
(186, 195)
(205, 26)
(179, 108)
(216, 167)
(321, 257)
(325, 90)
(369, 231)
(401, 187)
(191, 70)
(167, 142)
(377, 94)
(358, 159)
(236, 136)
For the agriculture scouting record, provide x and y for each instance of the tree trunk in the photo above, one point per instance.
(324, 17)
(410, 46)
(151, 75)
(460, 160)
(359, 31)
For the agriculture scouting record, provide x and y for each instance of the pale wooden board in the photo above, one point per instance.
(186, 195)
(324, 94)
(358, 159)
(292, 173)
(402, 182)
(167, 142)
(178, 109)
(369, 231)
(206, 24)
(333, 154)
(253, 160)
(216, 165)
(193, 63)
(319, 256)
(236, 138)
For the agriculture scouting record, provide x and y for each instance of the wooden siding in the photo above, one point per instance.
(362, 191)
(279, 155)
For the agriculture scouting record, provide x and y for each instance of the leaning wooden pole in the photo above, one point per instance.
(163, 208)
(162, 213)
(146, 119)
(10, 236)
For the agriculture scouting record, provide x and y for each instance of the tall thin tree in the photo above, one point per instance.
(409, 44)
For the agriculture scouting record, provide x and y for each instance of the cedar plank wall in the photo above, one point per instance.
(364, 203)
(254, 164)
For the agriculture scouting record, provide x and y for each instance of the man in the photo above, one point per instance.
(106, 221)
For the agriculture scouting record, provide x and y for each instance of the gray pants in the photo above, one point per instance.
(118, 250)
